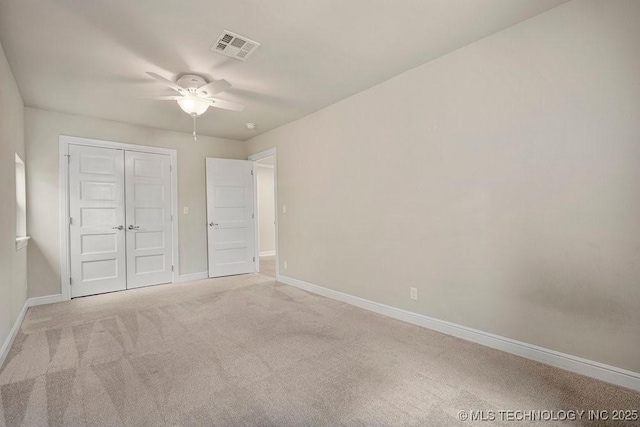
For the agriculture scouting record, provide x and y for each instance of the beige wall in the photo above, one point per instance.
(501, 180)
(42, 131)
(266, 209)
(13, 267)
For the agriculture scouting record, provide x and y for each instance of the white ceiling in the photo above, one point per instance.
(90, 57)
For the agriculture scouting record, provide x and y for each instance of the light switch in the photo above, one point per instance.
(284, 208)
(185, 210)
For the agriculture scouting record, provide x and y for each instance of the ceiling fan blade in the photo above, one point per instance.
(165, 98)
(225, 105)
(213, 88)
(172, 85)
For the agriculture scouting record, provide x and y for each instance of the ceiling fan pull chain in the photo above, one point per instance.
(195, 137)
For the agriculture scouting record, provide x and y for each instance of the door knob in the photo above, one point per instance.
(133, 227)
(211, 224)
(120, 227)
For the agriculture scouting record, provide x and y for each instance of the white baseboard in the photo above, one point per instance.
(192, 277)
(49, 299)
(4, 350)
(268, 253)
(554, 358)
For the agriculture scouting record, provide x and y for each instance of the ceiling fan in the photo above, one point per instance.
(196, 95)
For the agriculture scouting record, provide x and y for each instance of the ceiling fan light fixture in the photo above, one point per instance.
(195, 93)
(193, 105)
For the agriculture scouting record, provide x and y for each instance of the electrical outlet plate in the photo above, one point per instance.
(414, 293)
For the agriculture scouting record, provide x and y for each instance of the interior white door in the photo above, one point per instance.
(148, 214)
(230, 210)
(97, 218)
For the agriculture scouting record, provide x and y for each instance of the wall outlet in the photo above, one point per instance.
(185, 210)
(285, 265)
(414, 294)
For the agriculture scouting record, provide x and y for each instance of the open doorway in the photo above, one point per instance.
(266, 213)
(266, 216)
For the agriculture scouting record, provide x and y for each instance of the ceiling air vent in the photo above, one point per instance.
(235, 46)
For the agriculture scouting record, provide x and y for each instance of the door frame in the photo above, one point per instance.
(271, 152)
(63, 162)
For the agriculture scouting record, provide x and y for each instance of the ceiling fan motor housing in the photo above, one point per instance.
(191, 82)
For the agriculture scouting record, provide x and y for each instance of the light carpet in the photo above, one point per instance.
(247, 350)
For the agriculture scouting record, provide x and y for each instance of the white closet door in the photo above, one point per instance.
(231, 237)
(149, 238)
(96, 232)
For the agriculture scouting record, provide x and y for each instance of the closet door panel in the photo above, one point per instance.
(96, 229)
(148, 212)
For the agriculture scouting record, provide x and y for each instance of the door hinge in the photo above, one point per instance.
(171, 218)
(70, 281)
(70, 220)
(253, 215)
(172, 268)
(251, 171)
(254, 259)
